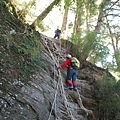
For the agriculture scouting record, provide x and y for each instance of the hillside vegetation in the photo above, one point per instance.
(32, 89)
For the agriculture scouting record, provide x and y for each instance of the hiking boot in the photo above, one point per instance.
(70, 87)
(75, 88)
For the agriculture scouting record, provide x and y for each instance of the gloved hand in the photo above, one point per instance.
(58, 67)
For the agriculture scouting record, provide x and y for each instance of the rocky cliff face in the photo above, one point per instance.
(41, 94)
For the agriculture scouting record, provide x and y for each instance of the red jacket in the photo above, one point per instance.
(67, 63)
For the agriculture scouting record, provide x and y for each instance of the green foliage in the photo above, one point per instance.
(42, 26)
(91, 7)
(117, 117)
(92, 47)
(109, 97)
(4, 2)
(85, 44)
(26, 66)
(99, 53)
(67, 3)
(21, 51)
(76, 39)
(29, 50)
(117, 57)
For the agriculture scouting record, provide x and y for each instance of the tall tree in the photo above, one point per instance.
(82, 26)
(100, 16)
(21, 14)
(64, 20)
(68, 4)
(79, 16)
(44, 13)
(114, 43)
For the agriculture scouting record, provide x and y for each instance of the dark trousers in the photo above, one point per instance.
(57, 35)
(71, 78)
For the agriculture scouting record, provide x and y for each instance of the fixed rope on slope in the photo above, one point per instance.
(54, 101)
(66, 103)
(63, 93)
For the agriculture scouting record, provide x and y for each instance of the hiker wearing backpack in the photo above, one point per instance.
(57, 33)
(72, 66)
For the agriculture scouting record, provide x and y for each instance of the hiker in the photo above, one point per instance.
(57, 33)
(71, 73)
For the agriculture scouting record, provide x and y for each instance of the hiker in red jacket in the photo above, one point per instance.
(71, 73)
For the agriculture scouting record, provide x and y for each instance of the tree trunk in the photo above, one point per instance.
(78, 18)
(44, 13)
(99, 22)
(115, 46)
(64, 20)
(75, 24)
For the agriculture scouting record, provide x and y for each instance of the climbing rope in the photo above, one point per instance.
(54, 101)
(65, 101)
(79, 100)
(62, 90)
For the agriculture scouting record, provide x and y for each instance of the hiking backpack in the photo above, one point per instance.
(75, 64)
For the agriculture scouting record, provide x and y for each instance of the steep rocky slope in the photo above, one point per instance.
(30, 86)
